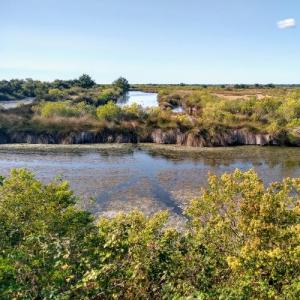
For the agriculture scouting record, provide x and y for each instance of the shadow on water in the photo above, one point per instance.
(157, 192)
(106, 196)
(161, 195)
(121, 178)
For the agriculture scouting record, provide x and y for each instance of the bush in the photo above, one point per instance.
(134, 111)
(242, 241)
(109, 94)
(41, 238)
(253, 232)
(109, 111)
(64, 109)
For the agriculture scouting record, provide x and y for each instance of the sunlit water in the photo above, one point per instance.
(150, 180)
(15, 103)
(146, 100)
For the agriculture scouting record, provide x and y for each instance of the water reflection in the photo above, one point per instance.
(147, 179)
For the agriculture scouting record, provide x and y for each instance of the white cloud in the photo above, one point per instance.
(287, 23)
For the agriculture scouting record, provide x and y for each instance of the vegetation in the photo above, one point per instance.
(122, 83)
(63, 109)
(206, 111)
(241, 241)
(57, 90)
(108, 111)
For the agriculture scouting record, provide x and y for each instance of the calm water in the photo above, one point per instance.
(13, 104)
(144, 99)
(128, 177)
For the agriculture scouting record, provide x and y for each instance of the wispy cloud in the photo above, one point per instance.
(287, 23)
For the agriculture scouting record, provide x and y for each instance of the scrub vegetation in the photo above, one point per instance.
(241, 241)
(83, 105)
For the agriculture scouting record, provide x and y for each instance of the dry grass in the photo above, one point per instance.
(247, 93)
(235, 97)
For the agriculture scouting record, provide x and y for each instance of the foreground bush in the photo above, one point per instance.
(242, 241)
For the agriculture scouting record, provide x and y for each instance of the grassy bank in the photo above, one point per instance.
(207, 112)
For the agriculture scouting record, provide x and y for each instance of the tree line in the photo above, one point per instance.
(19, 88)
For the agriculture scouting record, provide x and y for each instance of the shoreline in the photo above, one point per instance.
(139, 146)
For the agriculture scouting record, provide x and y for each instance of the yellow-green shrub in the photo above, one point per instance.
(109, 111)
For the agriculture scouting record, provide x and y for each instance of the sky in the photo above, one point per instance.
(151, 41)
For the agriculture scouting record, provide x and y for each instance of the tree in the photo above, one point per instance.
(85, 81)
(122, 83)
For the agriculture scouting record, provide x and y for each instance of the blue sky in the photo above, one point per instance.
(159, 41)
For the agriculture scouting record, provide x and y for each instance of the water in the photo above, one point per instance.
(128, 177)
(178, 109)
(141, 98)
(15, 103)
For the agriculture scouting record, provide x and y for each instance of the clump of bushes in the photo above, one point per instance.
(241, 241)
(134, 112)
(108, 94)
(64, 109)
(109, 111)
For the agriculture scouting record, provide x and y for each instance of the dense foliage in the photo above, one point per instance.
(241, 241)
(57, 89)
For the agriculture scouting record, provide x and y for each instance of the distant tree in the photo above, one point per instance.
(270, 85)
(62, 84)
(241, 86)
(122, 83)
(85, 81)
(28, 87)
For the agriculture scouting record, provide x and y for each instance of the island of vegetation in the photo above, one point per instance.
(81, 111)
(241, 241)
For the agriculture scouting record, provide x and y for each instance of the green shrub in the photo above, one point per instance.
(241, 241)
(64, 109)
(134, 111)
(109, 111)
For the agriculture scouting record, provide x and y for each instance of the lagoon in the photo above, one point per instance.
(147, 177)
